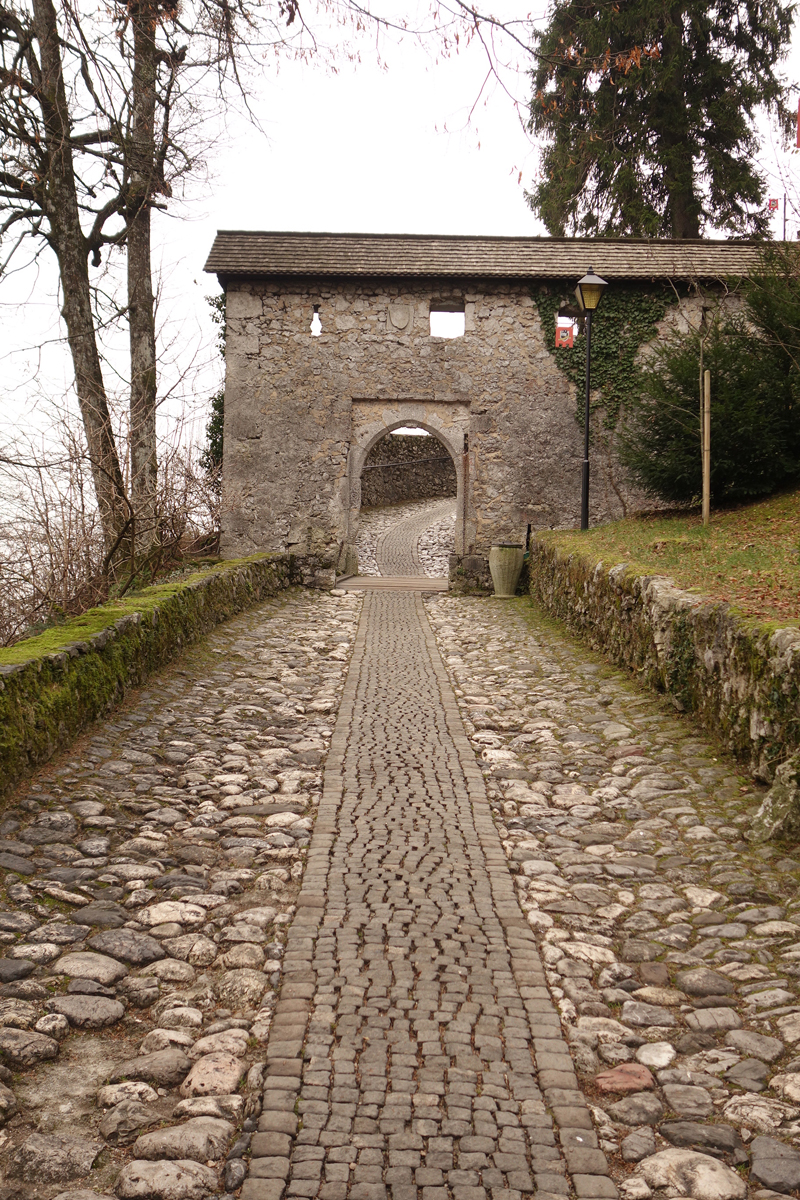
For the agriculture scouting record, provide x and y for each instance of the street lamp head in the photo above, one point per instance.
(589, 290)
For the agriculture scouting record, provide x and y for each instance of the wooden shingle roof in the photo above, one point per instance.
(251, 254)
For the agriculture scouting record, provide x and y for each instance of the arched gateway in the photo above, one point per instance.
(332, 343)
(448, 423)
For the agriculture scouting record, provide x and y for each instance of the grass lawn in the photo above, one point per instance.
(748, 556)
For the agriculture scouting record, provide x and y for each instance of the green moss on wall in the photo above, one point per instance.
(626, 321)
(96, 619)
(52, 686)
(739, 677)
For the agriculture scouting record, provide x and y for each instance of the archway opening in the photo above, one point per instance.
(407, 465)
(409, 489)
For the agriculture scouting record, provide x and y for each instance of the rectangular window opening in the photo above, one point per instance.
(447, 320)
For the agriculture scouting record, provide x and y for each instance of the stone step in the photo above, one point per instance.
(392, 583)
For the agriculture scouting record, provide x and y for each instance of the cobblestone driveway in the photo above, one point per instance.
(671, 945)
(407, 539)
(368, 897)
(425, 993)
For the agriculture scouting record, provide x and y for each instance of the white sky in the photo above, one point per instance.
(364, 149)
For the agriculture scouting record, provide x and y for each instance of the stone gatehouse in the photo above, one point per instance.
(331, 344)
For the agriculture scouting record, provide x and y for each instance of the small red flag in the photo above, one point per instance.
(564, 336)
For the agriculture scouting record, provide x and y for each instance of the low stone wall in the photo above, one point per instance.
(469, 575)
(52, 689)
(741, 678)
(406, 467)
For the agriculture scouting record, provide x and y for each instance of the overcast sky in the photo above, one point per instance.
(404, 149)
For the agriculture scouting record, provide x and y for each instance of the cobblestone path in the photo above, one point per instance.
(670, 943)
(407, 539)
(425, 993)
(148, 879)
(383, 897)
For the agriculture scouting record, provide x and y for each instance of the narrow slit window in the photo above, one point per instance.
(447, 322)
(316, 322)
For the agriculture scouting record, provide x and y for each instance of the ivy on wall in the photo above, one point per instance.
(211, 456)
(626, 320)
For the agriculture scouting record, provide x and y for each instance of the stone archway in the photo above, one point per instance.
(373, 420)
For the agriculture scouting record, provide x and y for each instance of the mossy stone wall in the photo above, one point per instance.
(739, 677)
(49, 695)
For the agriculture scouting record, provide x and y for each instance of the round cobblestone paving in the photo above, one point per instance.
(407, 539)
(375, 896)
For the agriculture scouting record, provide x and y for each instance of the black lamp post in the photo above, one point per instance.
(588, 292)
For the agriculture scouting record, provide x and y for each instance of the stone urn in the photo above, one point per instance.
(505, 564)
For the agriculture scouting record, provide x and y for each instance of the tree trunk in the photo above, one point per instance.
(60, 203)
(141, 315)
(671, 125)
(684, 211)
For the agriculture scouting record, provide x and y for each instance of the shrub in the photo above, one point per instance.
(755, 416)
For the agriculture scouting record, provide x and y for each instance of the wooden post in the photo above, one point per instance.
(706, 447)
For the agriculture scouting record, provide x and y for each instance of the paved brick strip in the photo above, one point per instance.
(414, 1052)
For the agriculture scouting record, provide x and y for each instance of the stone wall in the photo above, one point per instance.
(739, 677)
(406, 467)
(293, 401)
(49, 695)
(469, 575)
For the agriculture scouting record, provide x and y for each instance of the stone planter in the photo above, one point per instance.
(505, 564)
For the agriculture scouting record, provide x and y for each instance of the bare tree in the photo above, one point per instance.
(100, 109)
(98, 119)
(53, 558)
(39, 186)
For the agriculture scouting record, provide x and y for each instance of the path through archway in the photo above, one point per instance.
(428, 483)
(408, 506)
(415, 538)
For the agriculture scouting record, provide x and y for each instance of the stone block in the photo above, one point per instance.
(594, 1187)
(269, 1168)
(265, 1145)
(262, 1189)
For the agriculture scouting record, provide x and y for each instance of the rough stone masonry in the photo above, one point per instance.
(304, 407)
(401, 468)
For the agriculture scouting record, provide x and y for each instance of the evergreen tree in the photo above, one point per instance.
(755, 433)
(754, 360)
(772, 298)
(646, 110)
(211, 456)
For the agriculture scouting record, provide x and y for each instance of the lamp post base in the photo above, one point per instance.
(585, 495)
